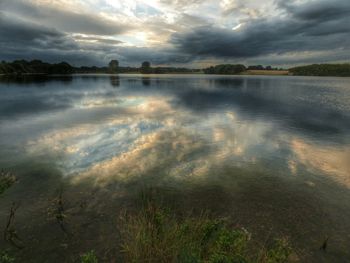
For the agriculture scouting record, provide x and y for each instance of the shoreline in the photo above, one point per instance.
(245, 73)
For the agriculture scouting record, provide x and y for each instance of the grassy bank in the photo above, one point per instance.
(156, 234)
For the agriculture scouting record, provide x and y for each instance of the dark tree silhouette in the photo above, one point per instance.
(146, 67)
(225, 69)
(35, 67)
(113, 66)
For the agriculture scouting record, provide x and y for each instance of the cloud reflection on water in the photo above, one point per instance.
(84, 145)
(182, 125)
(331, 161)
(149, 133)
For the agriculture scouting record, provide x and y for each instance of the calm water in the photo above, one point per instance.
(273, 152)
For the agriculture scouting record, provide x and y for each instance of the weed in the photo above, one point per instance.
(89, 257)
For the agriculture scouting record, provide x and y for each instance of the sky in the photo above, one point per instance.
(193, 33)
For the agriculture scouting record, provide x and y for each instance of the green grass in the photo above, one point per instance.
(154, 234)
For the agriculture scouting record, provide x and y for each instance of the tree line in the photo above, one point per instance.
(19, 67)
(38, 67)
(34, 67)
(338, 70)
(146, 68)
(227, 69)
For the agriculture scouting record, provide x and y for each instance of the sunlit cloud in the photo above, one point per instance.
(237, 27)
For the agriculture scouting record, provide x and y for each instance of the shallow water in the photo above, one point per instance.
(273, 152)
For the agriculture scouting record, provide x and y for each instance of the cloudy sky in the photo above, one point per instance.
(194, 33)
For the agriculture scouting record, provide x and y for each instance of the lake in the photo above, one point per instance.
(270, 152)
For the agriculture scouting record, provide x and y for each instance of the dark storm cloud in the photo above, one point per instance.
(64, 19)
(322, 10)
(29, 30)
(21, 39)
(14, 30)
(303, 28)
(18, 37)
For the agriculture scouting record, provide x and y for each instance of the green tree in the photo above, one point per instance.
(113, 66)
(225, 69)
(146, 67)
(340, 70)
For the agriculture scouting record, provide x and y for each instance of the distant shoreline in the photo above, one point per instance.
(245, 73)
(21, 68)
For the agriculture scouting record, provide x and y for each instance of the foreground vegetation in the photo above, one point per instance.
(338, 70)
(155, 234)
(151, 232)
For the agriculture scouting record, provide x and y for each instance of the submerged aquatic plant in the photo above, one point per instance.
(154, 234)
(10, 232)
(5, 257)
(7, 179)
(57, 211)
(89, 257)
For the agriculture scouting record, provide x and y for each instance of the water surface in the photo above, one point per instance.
(272, 152)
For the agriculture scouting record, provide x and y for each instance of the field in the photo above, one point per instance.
(266, 72)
